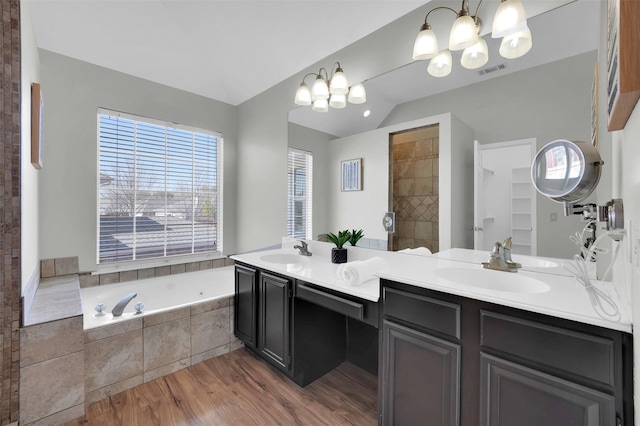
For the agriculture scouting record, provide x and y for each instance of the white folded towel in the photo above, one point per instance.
(421, 251)
(359, 271)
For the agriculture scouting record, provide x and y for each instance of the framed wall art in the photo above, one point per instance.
(351, 175)
(37, 115)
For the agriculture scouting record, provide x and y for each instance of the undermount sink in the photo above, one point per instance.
(532, 262)
(493, 280)
(283, 258)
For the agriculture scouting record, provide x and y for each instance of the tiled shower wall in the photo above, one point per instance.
(10, 209)
(415, 188)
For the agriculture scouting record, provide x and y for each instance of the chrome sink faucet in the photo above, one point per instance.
(119, 308)
(506, 246)
(497, 261)
(304, 248)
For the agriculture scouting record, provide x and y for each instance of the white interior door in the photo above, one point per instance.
(504, 198)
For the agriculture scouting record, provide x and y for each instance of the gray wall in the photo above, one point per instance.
(30, 73)
(263, 129)
(73, 90)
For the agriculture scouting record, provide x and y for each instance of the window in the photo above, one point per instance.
(160, 189)
(299, 194)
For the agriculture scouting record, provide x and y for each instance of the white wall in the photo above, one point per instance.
(73, 91)
(628, 266)
(30, 70)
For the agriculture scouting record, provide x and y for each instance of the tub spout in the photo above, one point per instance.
(117, 310)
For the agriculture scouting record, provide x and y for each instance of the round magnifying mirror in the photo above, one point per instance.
(565, 171)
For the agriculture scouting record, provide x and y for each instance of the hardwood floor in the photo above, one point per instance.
(241, 389)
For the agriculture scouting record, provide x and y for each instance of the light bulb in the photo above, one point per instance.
(339, 84)
(319, 90)
(516, 45)
(475, 56)
(464, 33)
(320, 105)
(338, 101)
(440, 65)
(426, 45)
(509, 19)
(357, 94)
(303, 95)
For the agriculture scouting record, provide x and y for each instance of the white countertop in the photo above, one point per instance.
(566, 298)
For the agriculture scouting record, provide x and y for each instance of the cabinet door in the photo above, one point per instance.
(246, 305)
(275, 298)
(512, 394)
(421, 378)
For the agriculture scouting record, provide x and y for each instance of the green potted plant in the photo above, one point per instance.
(339, 253)
(356, 236)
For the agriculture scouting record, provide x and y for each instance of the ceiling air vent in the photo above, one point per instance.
(492, 69)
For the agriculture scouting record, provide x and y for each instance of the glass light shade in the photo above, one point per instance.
(303, 95)
(320, 105)
(509, 19)
(516, 45)
(320, 89)
(464, 33)
(475, 56)
(339, 84)
(440, 65)
(357, 94)
(338, 101)
(426, 45)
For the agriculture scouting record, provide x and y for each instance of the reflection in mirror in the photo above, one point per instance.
(566, 172)
(543, 96)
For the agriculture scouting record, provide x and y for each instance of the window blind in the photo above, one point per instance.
(299, 194)
(159, 189)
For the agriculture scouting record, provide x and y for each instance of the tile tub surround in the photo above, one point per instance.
(125, 354)
(51, 349)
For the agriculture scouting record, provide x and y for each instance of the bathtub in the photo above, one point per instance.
(158, 294)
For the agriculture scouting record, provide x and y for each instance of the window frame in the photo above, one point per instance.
(164, 260)
(297, 194)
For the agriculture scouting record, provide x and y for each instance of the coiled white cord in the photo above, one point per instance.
(601, 301)
(579, 240)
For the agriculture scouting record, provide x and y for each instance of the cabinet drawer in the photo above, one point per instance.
(577, 353)
(330, 301)
(437, 315)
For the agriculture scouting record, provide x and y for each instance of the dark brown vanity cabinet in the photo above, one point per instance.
(304, 336)
(274, 340)
(263, 314)
(421, 360)
(449, 360)
(245, 322)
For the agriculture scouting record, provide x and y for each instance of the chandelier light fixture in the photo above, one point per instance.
(329, 91)
(509, 23)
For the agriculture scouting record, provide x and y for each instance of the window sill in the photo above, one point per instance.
(154, 263)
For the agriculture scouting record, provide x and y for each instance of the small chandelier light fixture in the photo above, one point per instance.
(509, 23)
(329, 91)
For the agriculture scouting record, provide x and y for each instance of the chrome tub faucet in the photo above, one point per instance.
(303, 249)
(119, 308)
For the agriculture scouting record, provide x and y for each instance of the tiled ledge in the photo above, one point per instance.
(88, 279)
(56, 298)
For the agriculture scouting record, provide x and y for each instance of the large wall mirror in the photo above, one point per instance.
(543, 96)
